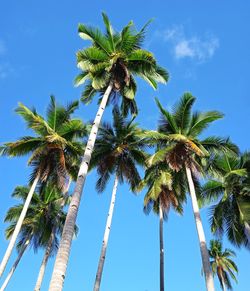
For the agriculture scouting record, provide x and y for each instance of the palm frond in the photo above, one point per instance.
(182, 112)
(95, 36)
(201, 121)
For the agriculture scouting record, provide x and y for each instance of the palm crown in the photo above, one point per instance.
(118, 149)
(222, 264)
(43, 216)
(229, 190)
(165, 189)
(55, 148)
(178, 136)
(116, 57)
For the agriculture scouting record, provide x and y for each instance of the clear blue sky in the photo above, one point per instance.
(205, 46)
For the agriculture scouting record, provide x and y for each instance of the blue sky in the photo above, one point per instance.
(205, 47)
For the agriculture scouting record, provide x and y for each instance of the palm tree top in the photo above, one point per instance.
(118, 149)
(228, 192)
(163, 187)
(222, 264)
(44, 215)
(56, 143)
(179, 133)
(116, 57)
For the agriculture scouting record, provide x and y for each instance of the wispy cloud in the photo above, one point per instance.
(194, 47)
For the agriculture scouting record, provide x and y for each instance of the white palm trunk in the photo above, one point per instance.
(161, 249)
(201, 235)
(106, 237)
(18, 227)
(58, 275)
(44, 263)
(223, 286)
(12, 270)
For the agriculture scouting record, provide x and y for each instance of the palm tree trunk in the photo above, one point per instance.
(106, 237)
(18, 226)
(201, 235)
(223, 286)
(58, 276)
(161, 249)
(5, 283)
(44, 262)
(50, 243)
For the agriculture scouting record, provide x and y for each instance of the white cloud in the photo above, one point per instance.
(183, 49)
(197, 48)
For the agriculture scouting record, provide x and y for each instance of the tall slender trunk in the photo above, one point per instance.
(50, 244)
(44, 262)
(201, 235)
(58, 275)
(223, 285)
(12, 270)
(106, 237)
(18, 226)
(161, 249)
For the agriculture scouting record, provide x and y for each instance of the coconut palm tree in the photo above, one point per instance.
(228, 189)
(51, 241)
(109, 66)
(117, 152)
(54, 148)
(181, 147)
(222, 265)
(44, 218)
(165, 189)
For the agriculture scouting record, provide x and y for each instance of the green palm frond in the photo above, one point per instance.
(167, 121)
(159, 156)
(43, 216)
(116, 58)
(109, 30)
(211, 192)
(218, 145)
(88, 93)
(200, 121)
(162, 187)
(118, 150)
(33, 120)
(95, 36)
(221, 264)
(182, 112)
(56, 139)
(73, 129)
(21, 147)
(82, 78)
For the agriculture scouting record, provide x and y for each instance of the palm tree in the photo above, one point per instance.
(182, 149)
(110, 65)
(54, 149)
(118, 150)
(166, 189)
(222, 264)
(228, 190)
(44, 218)
(64, 200)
